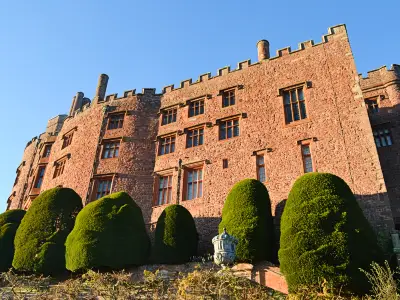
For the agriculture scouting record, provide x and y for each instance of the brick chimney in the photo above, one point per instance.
(101, 88)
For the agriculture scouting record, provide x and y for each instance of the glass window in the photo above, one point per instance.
(111, 149)
(59, 168)
(164, 190)
(228, 98)
(115, 121)
(39, 177)
(260, 168)
(166, 145)
(67, 140)
(47, 151)
(196, 108)
(194, 184)
(194, 137)
(383, 137)
(169, 116)
(229, 129)
(307, 160)
(103, 187)
(294, 104)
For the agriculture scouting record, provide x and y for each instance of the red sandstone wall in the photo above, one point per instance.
(336, 119)
(385, 84)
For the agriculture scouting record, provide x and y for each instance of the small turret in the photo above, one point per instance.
(263, 50)
(101, 88)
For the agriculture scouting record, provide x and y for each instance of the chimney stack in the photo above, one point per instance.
(101, 88)
(263, 50)
(76, 103)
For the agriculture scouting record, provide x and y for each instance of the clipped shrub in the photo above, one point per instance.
(109, 233)
(9, 222)
(325, 236)
(39, 242)
(247, 216)
(176, 236)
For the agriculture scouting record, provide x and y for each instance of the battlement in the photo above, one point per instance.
(380, 76)
(334, 32)
(131, 93)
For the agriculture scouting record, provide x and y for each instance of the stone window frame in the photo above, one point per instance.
(307, 142)
(305, 85)
(193, 167)
(227, 92)
(101, 177)
(116, 120)
(165, 190)
(200, 103)
(226, 130)
(157, 175)
(116, 150)
(169, 112)
(386, 135)
(199, 136)
(171, 143)
(47, 150)
(67, 138)
(59, 165)
(39, 176)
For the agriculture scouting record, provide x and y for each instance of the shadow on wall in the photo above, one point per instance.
(207, 228)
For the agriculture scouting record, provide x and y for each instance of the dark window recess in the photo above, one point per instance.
(110, 149)
(169, 116)
(67, 140)
(47, 150)
(225, 163)
(59, 168)
(17, 177)
(194, 184)
(194, 137)
(103, 187)
(383, 137)
(260, 168)
(228, 129)
(115, 121)
(196, 107)
(372, 105)
(228, 98)
(39, 177)
(166, 145)
(307, 159)
(295, 105)
(164, 190)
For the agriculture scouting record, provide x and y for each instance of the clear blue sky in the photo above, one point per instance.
(52, 49)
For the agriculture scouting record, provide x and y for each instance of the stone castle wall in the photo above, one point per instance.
(337, 128)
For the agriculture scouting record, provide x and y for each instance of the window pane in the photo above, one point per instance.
(293, 96)
(308, 164)
(389, 140)
(261, 174)
(202, 109)
(296, 111)
(286, 98)
(229, 132)
(189, 191)
(201, 138)
(303, 110)
(383, 141)
(222, 134)
(288, 114)
(260, 159)
(306, 150)
(200, 189)
(236, 130)
(377, 142)
(300, 94)
(195, 190)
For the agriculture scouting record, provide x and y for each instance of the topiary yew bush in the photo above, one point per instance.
(109, 233)
(176, 236)
(247, 216)
(325, 236)
(9, 222)
(39, 241)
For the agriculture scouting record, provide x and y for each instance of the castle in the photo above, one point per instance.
(300, 111)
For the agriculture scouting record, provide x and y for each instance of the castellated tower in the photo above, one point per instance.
(299, 111)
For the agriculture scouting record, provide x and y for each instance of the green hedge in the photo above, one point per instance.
(109, 233)
(325, 236)
(247, 216)
(176, 236)
(9, 222)
(39, 242)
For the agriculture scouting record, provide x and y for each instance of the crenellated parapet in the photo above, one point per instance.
(381, 77)
(334, 32)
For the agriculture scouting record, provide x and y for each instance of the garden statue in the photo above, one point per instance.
(224, 248)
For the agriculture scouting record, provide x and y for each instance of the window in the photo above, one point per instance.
(59, 168)
(169, 116)
(39, 177)
(110, 149)
(295, 105)
(307, 160)
(116, 121)
(260, 168)
(194, 137)
(228, 129)
(47, 150)
(17, 177)
(225, 163)
(103, 187)
(167, 145)
(164, 189)
(228, 98)
(372, 105)
(383, 137)
(67, 140)
(196, 107)
(194, 184)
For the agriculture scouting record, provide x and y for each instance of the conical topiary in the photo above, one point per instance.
(109, 233)
(9, 222)
(325, 236)
(39, 242)
(176, 236)
(247, 216)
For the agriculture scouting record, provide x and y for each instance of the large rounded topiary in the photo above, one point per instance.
(39, 242)
(247, 216)
(109, 233)
(325, 236)
(9, 222)
(176, 236)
